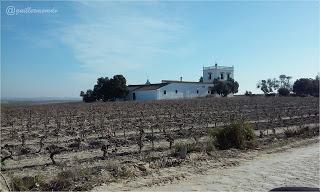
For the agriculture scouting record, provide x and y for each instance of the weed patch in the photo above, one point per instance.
(239, 135)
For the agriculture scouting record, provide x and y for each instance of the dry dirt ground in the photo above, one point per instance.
(296, 164)
(81, 129)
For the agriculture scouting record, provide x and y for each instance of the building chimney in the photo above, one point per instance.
(180, 78)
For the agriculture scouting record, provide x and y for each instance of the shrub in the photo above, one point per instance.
(60, 184)
(238, 135)
(126, 172)
(71, 180)
(181, 149)
(248, 93)
(210, 145)
(271, 95)
(306, 131)
(121, 172)
(67, 180)
(283, 92)
(27, 183)
(24, 150)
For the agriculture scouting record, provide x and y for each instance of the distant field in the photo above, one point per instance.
(37, 102)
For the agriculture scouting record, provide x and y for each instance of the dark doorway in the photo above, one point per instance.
(133, 96)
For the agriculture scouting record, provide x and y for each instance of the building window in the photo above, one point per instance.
(164, 92)
(208, 91)
(176, 91)
(210, 76)
(228, 76)
(197, 91)
(221, 76)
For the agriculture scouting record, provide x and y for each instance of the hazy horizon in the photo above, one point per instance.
(64, 51)
(41, 98)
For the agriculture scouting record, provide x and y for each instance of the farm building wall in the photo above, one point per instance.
(144, 95)
(183, 90)
(217, 72)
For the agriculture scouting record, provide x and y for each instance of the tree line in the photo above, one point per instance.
(106, 89)
(301, 87)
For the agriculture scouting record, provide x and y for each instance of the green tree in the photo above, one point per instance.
(248, 93)
(285, 82)
(283, 91)
(315, 85)
(305, 86)
(273, 84)
(82, 94)
(232, 85)
(119, 86)
(268, 86)
(89, 96)
(282, 79)
(100, 86)
(263, 86)
(225, 87)
(107, 89)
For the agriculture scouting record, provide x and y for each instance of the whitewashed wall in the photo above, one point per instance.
(216, 74)
(185, 90)
(145, 95)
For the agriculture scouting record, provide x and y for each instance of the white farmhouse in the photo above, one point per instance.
(169, 89)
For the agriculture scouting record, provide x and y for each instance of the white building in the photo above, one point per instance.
(169, 89)
(217, 72)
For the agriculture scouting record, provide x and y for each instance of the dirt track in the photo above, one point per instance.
(295, 167)
(292, 167)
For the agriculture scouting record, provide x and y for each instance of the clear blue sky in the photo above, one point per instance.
(60, 54)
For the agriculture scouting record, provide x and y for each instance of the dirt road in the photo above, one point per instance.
(295, 167)
(292, 167)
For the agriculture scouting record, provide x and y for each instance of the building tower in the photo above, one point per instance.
(217, 72)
